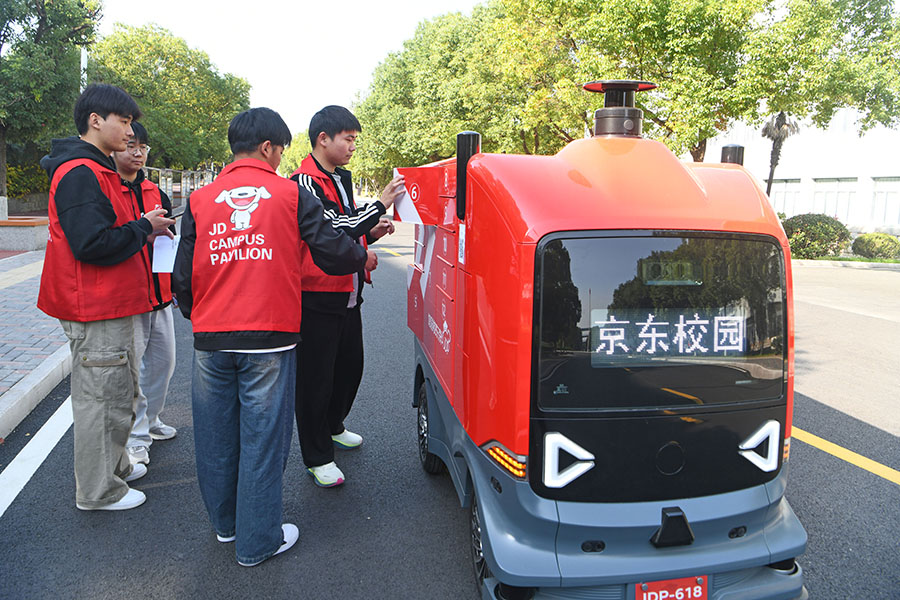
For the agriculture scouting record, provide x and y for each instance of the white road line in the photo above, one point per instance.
(23, 467)
(850, 309)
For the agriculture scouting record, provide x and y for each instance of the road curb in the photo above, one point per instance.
(20, 400)
(845, 264)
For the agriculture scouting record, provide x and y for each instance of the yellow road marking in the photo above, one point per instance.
(20, 274)
(391, 252)
(847, 455)
(683, 395)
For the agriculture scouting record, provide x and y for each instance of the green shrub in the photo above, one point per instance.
(877, 245)
(812, 236)
(26, 179)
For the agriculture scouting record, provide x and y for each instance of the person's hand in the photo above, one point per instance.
(383, 228)
(392, 191)
(159, 221)
(371, 261)
(167, 233)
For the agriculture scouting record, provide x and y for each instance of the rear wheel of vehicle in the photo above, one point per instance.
(482, 571)
(430, 462)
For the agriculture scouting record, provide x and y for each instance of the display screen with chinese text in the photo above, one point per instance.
(659, 320)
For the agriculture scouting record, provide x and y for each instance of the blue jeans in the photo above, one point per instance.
(243, 420)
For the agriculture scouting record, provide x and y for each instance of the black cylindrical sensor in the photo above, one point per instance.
(733, 153)
(619, 115)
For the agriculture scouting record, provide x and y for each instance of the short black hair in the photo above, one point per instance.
(253, 127)
(140, 133)
(103, 99)
(332, 120)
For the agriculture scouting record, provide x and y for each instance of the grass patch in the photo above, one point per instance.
(860, 259)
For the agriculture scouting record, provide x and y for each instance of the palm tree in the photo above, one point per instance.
(778, 128)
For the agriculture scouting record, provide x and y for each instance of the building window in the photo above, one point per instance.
(785, 196)
(886, 201)
(833, 196)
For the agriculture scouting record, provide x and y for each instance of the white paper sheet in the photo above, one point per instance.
(404, 207)
(164, 249)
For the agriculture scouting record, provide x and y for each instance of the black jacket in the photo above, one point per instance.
(356, 222)
(85, 213)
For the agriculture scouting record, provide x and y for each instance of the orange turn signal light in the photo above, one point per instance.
(787, 450)
(513, 463)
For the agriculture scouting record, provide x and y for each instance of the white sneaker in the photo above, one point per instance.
(138, 470)
(139, 454)
(290, 535)
(347, 440)
(132, 499)
(225, 538)
(162, 432)
(327, 475)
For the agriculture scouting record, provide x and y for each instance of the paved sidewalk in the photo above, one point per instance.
(34, 355)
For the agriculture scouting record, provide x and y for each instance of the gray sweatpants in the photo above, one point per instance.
(154, 340)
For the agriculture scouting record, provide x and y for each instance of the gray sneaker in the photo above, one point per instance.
(162, 432)
(139, 454)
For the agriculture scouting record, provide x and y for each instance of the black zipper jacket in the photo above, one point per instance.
(85, 213)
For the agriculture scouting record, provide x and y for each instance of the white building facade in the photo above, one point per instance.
(836, 172)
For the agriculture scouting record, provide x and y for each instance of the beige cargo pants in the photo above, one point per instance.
(104, 389)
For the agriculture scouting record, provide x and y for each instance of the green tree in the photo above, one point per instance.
(187, 103)
(808, 58)
(295, 153)
(691, 48)
(513, 71)
(423, 95)
(39, 67)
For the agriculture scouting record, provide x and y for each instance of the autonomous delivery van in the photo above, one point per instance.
(604, 364)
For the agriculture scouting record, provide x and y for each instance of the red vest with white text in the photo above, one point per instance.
(152, 201)
(246, 264)
(314, 278)
(78, 291)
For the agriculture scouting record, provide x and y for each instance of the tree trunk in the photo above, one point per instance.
(699, 151)
(3, 161)
(773, 162)
(777, 141)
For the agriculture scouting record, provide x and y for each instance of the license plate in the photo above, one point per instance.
(686, 588)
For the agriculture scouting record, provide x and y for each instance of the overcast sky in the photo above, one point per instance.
(298, 56)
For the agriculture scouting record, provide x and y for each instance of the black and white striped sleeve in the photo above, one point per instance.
(354, 225)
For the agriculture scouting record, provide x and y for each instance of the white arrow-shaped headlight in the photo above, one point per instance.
(770, 430)
(554, 478)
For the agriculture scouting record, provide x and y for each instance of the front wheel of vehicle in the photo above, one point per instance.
(430, 462)
(482, 571)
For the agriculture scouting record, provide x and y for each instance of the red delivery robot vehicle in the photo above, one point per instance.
(604, 364)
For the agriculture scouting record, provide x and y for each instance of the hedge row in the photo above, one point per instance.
(815, 236)
(24, 180)
(876, 245)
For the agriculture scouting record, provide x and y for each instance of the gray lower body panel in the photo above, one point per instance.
(533, 542)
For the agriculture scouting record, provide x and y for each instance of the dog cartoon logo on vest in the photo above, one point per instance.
(244, 200)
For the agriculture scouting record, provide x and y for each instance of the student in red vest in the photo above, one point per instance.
(154, 331)
(330, 363)
(237, 278)
(96, 278)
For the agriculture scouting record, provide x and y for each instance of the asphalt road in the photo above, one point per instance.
(391, 531)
